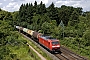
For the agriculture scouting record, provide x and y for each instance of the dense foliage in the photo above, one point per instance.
(12, 45)
(38, 17)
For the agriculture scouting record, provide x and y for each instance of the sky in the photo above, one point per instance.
(14, 5)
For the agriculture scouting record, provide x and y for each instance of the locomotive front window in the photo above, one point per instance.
(55, 43)
(49, 37)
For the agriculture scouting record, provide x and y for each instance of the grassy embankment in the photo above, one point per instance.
(22, 51)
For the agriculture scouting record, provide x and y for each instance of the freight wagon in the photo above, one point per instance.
(49, 42)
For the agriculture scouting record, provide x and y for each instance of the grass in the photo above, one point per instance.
(22, 51)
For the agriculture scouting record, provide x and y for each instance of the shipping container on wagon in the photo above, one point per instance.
(25, 30)
(17, 27)
(29, 31)
(36, 34)
(21, 28)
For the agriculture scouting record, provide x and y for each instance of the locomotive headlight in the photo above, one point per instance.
(55, 46)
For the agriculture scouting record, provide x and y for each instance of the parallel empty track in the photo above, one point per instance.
(66, 54)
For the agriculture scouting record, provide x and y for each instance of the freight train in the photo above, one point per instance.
(48, 42)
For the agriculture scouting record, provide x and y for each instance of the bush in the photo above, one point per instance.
(86, 36)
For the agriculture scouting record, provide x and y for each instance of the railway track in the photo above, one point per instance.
(65, 53)
(71, 55)
(61, 57)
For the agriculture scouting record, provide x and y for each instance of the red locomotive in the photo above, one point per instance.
(50, 43)
(47, 41)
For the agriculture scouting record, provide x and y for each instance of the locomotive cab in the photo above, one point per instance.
(55, 46)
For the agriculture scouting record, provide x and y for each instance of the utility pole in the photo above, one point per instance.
(62, 25)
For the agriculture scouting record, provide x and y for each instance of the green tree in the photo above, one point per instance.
(42, 8)
(35, 9)
(2, 14)
(88, 19)
(46, 28)
(15, 18)
(30, 13)
(74, 18)
(64, 14)
(52, 12)
(87, 37)
(79, 10)
(8, 16)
